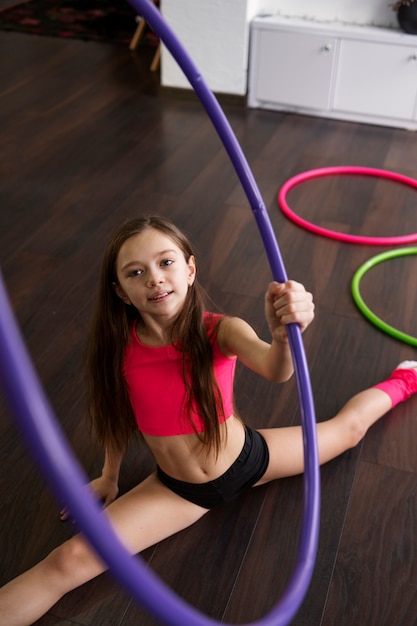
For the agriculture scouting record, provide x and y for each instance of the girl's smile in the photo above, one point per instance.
(160, 295)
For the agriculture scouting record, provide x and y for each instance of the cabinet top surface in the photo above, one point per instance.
(354, 31)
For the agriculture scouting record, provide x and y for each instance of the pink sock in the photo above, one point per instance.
(402, 384)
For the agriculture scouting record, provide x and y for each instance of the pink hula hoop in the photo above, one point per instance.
(362, 171)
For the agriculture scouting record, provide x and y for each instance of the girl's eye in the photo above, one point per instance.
(167, 262)
(135, 273)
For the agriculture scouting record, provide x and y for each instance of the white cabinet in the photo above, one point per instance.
(346, 72)
(307, 58)
(376, 79)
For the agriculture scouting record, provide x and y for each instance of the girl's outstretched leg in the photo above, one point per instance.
(343, 431)
(145, 515)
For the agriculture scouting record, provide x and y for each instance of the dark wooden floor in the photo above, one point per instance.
(88, 140)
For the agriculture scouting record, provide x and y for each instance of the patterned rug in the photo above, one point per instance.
(100, 20)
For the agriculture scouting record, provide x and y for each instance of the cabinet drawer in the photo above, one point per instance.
(376, 79)
(292, 68)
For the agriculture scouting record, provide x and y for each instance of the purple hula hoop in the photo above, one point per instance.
(44, 438)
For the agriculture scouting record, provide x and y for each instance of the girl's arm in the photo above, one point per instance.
(285, 303)
(105, 486)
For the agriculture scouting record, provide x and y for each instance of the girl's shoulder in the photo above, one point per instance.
(232, 333)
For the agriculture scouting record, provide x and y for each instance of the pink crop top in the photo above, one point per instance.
(156, 387)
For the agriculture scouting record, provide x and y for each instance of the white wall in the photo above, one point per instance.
(216, 33)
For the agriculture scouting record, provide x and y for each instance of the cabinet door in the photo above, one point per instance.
(292, 68)
(376, 79)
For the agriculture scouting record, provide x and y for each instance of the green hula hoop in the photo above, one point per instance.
(374, 319)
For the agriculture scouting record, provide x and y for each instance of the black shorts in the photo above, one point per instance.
(245, 472)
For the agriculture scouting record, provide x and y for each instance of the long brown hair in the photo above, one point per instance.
(110, 411)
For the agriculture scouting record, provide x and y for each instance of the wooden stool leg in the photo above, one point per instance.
(139, 32)
(140, 29)
(156, 59)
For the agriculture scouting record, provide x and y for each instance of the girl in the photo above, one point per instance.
(158, 362)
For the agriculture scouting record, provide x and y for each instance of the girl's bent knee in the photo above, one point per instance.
(72, 564)
(357, 430)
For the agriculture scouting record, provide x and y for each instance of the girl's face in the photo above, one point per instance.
(153, 274)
